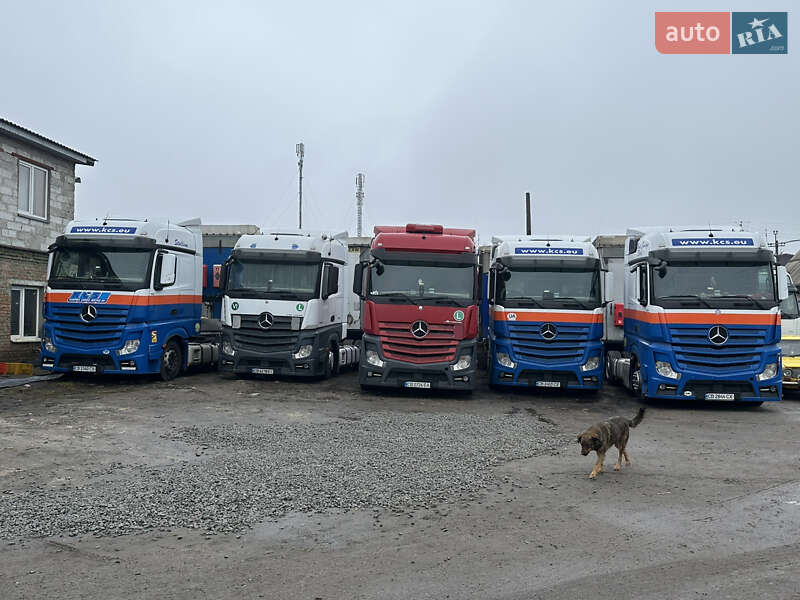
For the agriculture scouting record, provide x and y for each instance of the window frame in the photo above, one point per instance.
(31, 201)
(22, 287)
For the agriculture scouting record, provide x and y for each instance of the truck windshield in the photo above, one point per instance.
(423, 284)
(714, 285)
(96, 268)
(549, 288)
(270, 279)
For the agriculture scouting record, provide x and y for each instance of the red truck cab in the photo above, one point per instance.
(419, 286)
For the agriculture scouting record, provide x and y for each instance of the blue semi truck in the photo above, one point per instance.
(544, 313)
(125, 297)
(702, 318)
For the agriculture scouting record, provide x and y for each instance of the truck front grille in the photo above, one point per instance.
(741, 353)
(278, 338)
(569, 345)
(399, 344)
(103, 332)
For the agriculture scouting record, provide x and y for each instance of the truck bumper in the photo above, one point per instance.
(99, 362)
(698, 385)
(243, 361)
(548, 376)
(698, 388)
(399, 374)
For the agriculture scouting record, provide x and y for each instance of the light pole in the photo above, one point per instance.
(300, 149)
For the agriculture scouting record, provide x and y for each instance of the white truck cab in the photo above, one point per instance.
(285, 305)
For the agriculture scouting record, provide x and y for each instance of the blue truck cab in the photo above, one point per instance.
(702, 316)
(545, 313)
(124, 297)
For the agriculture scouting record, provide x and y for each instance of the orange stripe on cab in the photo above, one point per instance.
(130, 300)
(671, 318)
(557, 317)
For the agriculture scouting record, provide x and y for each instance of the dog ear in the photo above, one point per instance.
(579, 438)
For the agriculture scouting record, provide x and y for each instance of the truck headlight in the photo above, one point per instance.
(787, 373)
(49, 346)
(664, 368)
(769, 372)
(464, 361)
(227, 348)
(505, 360)
(374, 359)
(130, 347)
(591, 364)
(303, 352)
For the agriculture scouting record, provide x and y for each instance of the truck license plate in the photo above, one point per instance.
(417, 384)
(85, 368)
(548, 384)
(260, 371)
(711, 396)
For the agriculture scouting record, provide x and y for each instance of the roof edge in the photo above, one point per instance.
(46, 144)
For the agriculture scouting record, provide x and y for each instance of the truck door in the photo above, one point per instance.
(332, 301)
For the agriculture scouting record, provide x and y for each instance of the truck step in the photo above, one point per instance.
(348, 355)
(202, 353)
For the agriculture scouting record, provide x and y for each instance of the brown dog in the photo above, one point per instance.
(601, 436)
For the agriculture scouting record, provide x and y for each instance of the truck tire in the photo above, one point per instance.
(637, 382)
(330, 364)
(171, 361)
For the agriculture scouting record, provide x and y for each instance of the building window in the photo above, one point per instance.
(26, 311)
(32, 188)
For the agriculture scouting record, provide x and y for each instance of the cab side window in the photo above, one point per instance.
(644, 292)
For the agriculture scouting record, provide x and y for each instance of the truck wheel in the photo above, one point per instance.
(171, 361)
(636, 379)
(335, 367)
(330, 364)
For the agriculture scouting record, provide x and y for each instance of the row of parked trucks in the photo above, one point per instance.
(669, 312)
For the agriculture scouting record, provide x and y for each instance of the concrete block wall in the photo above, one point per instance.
(23, 232)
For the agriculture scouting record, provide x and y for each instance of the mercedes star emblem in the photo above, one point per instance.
(88, 313)
(718, 335)
(548, 331)
(265, 320)
(419, 329)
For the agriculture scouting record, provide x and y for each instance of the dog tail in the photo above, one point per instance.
(637, 419)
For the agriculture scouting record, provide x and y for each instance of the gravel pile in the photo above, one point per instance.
(247, 473)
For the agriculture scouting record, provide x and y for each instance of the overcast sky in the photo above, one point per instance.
(451, 109)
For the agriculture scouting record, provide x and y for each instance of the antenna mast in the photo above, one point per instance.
(360, 200)
(300, 150)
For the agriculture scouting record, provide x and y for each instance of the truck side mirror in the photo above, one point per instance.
(166, 265)
(783, 284)
(358, 280)
(490, 294)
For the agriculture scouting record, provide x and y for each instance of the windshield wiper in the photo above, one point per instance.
(396, 296)
(742, 297)
(445, 299)
(526, 300)
(571, 299)
(686, 297)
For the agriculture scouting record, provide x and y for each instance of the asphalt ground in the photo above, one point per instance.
(136, 488)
